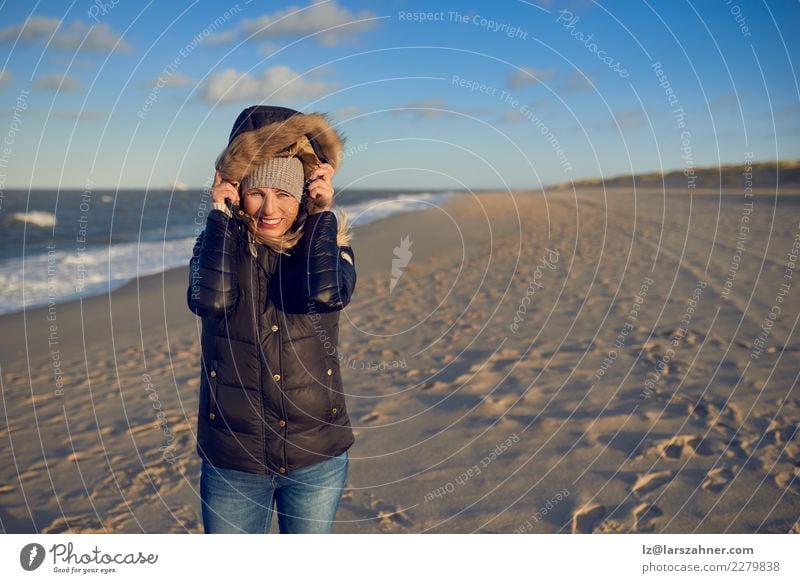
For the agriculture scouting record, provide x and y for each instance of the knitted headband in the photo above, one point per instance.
(285, 173)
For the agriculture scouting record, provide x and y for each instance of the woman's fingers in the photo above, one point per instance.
(321, 193)
(224, 189)
(324, 171)
(320, 187)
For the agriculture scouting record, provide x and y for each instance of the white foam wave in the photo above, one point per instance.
(35, 218)
(66, 274)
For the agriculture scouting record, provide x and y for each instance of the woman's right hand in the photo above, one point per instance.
(223, 189)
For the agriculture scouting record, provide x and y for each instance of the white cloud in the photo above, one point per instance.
(347, 112)
(786, 111)
(68, 61)
(631, 118)
(267, 49)
(510, 116)
(528, 76)
(517, 115)
(173, 80)
(99, 38)
(36, 28)
(425, 108)
(275, 83)
(220, 38)
(724, 101)
(5, 78)
(434, 108)
(56, 82)
(297, 21)
(578, 83)
(82, 115)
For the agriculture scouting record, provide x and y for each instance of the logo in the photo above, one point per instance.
(402, 255)
(31, 556)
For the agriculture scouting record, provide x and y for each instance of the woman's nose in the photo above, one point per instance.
(268, 207)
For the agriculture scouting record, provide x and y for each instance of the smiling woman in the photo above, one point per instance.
(271, 196)
(269, 280)
(274, 209)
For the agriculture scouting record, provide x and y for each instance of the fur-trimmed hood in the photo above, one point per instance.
(266, 131)
(309, 136)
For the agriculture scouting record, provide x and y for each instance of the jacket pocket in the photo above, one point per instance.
(213, 397)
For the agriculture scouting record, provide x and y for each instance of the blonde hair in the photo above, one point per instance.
(292, 237)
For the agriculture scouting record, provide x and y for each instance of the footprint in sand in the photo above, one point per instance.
(436, 387)
(367, 507)
(585, 517)
(646, 483)
(609, 527)
(690, 337)
(498, 405)
(653, 354)
(680, 447)
(718, 479)
(788, 480)
(642, 515)
(780, 434)
(370, 417)
(348, 491)
(84, 524)
(390, 517)
(703, 409)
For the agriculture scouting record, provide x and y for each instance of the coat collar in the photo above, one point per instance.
(266, 258)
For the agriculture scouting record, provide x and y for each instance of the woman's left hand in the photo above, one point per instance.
(320, 189)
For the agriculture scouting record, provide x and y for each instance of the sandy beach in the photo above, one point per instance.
(544, 363)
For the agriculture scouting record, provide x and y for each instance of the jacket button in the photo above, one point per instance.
(213, 373)
(277, 377)
(333, 410)
(330, 371)
(212, 416)
(274, 327)
(282, 470)
(282, 423)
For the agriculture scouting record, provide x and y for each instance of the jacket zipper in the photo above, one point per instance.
(264, 365)
(260, 348)
(285, 461)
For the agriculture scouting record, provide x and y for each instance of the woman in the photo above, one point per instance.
(268, 280)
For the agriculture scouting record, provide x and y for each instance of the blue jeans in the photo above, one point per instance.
(240, 502)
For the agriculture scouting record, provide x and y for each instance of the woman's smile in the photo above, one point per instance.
(265, 223)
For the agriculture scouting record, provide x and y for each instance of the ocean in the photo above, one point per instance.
(62, 245)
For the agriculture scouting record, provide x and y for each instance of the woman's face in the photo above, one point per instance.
(274, 210)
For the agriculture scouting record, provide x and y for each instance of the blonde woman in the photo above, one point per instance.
(269, 275)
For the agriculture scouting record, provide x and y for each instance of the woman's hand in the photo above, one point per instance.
(224, 189)
(320, 189)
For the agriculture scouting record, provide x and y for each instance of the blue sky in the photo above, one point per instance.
(439, 95)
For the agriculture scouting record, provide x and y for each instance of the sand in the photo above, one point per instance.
(528, 372)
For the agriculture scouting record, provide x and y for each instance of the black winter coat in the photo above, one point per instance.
(271, 396)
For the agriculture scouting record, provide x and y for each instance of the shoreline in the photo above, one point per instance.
(143, 290)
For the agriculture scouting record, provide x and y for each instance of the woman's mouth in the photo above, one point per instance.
(268, 223)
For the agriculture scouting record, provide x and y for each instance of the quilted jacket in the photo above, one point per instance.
(271, 394)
